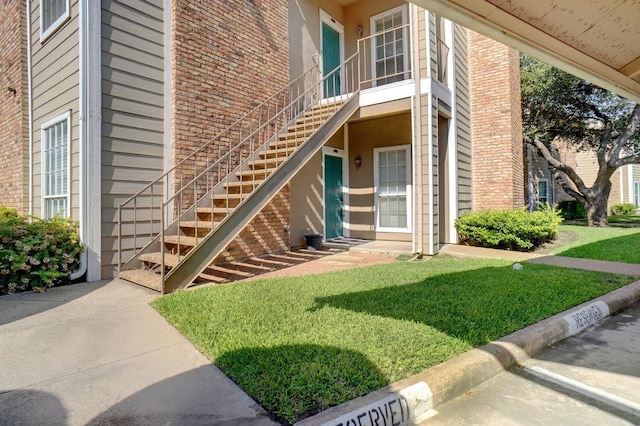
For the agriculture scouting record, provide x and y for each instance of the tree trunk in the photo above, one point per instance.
(597, 204)
(597, 212)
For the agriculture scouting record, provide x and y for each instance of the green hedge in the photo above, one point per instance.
(571, 209)
(516, 230)
(623, 209)
(36, 253)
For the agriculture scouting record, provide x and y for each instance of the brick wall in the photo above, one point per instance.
(498, 168)
(228, 56)
(13, 106)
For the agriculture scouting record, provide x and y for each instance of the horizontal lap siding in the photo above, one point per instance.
(55, 90)
(463, 122)
(132, 109)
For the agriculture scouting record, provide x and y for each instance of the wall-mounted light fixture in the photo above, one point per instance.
(358, 162)
(359, 31)
(11, 87)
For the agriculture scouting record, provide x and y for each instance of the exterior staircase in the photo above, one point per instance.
(195, 223)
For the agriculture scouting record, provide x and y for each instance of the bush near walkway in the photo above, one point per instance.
(515, 229)
(36, 253)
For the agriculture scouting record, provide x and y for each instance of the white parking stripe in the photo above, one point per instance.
(607, 398)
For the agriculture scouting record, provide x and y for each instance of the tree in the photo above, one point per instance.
(557, 106)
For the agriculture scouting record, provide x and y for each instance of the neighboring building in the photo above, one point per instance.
(121, 92)
(542, 188)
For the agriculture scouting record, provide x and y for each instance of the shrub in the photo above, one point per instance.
(571, 209)
(623, 209)
(508, 229)
(36, 253)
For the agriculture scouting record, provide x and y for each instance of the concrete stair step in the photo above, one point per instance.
(255, 174)
(279, 152)
(143, 277)
(228, 200)
(181, 240)
(247, 186)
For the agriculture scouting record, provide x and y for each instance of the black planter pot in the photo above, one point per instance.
(314, 240)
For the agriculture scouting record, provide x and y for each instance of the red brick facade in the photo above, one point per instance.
(498, 168)
(14, 169)
(227, 57)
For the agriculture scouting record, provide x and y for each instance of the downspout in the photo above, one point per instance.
(629, 184)
(416, 149)
(30, 107)
(82, 12)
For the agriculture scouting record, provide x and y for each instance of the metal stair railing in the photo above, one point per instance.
(141, 213)
(338, 86)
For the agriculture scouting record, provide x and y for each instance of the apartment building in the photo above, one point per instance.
(185, 133)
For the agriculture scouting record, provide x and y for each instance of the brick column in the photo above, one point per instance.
(14, 167)
(498, 168)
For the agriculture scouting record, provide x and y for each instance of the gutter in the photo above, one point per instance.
(82, 101)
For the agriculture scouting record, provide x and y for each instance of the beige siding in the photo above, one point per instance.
(54, 73)
(132, 108)
(463, 122)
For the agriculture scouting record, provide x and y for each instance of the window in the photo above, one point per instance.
(543, 191)
(52, 14)
(390, 57)
(55, 166)
(393, 188)
(636, 193)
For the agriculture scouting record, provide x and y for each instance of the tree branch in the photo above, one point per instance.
(566, 185)
(623, 138)
(557, 165)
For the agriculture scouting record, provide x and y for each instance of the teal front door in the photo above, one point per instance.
(330, 60)
(333, 201)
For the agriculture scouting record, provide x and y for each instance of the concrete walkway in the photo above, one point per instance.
(566, 262)
(99, 354)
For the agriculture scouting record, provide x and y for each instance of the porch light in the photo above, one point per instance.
(358, 162)
(11, 87)
(359, 31)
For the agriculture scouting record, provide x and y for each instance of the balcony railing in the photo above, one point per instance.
(385, 57)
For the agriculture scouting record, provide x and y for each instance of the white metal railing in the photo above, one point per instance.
(385, 57)
(141, 213)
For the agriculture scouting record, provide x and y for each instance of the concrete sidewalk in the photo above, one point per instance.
(97, 353)
(566, 262)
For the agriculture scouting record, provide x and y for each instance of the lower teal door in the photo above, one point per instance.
(333, 201)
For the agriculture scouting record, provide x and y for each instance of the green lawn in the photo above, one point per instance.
(299, 345)
(613, 243)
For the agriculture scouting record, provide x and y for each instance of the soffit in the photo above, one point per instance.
(598, 40)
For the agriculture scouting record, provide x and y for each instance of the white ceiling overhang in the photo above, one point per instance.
(598, 40)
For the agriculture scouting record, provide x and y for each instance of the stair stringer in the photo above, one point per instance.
(197, 260)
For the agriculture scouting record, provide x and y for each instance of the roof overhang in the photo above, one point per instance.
(597, 40)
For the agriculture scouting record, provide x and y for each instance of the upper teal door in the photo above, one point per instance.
(330, 60)
(333, 201)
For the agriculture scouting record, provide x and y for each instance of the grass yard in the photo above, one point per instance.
(613, 243)
(299, 345)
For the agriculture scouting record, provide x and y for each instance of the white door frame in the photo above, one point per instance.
(336, 25)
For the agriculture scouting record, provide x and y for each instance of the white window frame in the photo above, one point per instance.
(66, 116)
(45, 33)
(405, 41)
(636, 193)
(376, 187)
(546, 182)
